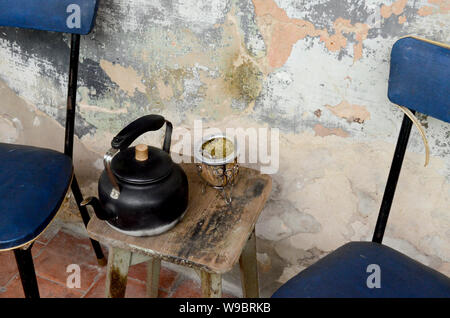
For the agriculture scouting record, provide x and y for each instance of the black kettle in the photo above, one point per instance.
(142, 191)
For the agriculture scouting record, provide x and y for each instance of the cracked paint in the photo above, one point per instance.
(322, 131)
(126, 77)
(317, 70)
(435, 7)
(401, 19)
(351, 112)
(285, 32)
(396, 8)
(253, 39)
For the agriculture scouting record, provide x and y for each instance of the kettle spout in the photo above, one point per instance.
(98, 209)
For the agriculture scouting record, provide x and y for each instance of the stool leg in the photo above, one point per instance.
(24, 261)
(116, 277)
(211, 285)
(153, 270)
(249, 268)
(85, 216)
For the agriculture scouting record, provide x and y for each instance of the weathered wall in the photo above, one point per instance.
(317, 70)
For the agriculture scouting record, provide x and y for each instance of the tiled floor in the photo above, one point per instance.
(58, 248)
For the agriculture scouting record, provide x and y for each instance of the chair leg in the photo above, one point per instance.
(25, 265)
(85, 216)
(249, 269)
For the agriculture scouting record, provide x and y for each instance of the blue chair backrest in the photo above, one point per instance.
(68, 16)
(419, 77)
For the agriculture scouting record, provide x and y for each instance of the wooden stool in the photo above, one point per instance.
(211, 238)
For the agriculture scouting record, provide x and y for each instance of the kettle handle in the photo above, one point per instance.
(140, 126)
(129, 134)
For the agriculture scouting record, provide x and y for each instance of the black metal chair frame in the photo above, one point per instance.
(391, 184)
(23, 256)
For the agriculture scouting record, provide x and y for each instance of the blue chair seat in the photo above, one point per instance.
(70, 16)
(343, 273)
(33, 184)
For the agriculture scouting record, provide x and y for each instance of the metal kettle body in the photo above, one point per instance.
(142, 191)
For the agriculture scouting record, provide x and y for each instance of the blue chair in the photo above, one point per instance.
(34, 181)
(420, 80)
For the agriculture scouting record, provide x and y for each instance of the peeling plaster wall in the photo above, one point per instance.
(317, 70)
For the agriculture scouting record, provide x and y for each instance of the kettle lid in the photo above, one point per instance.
(128, 169)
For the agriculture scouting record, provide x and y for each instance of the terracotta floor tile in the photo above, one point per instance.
(135, 289)
(138, 272)
(192, 289)
(54, 252)
(47, 289)
(50, 232)
(188, 289)
(166, 277)
(37, 249)
(65, 249)
(162, 294)
(8, 266)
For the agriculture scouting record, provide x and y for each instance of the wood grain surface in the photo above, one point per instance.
(212, 234)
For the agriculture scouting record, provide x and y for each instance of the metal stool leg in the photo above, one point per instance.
(25, 265)
(85, 216)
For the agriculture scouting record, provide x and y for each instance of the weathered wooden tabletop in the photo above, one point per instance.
(211, 235)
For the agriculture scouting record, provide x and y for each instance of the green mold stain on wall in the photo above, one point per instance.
(245, 81)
